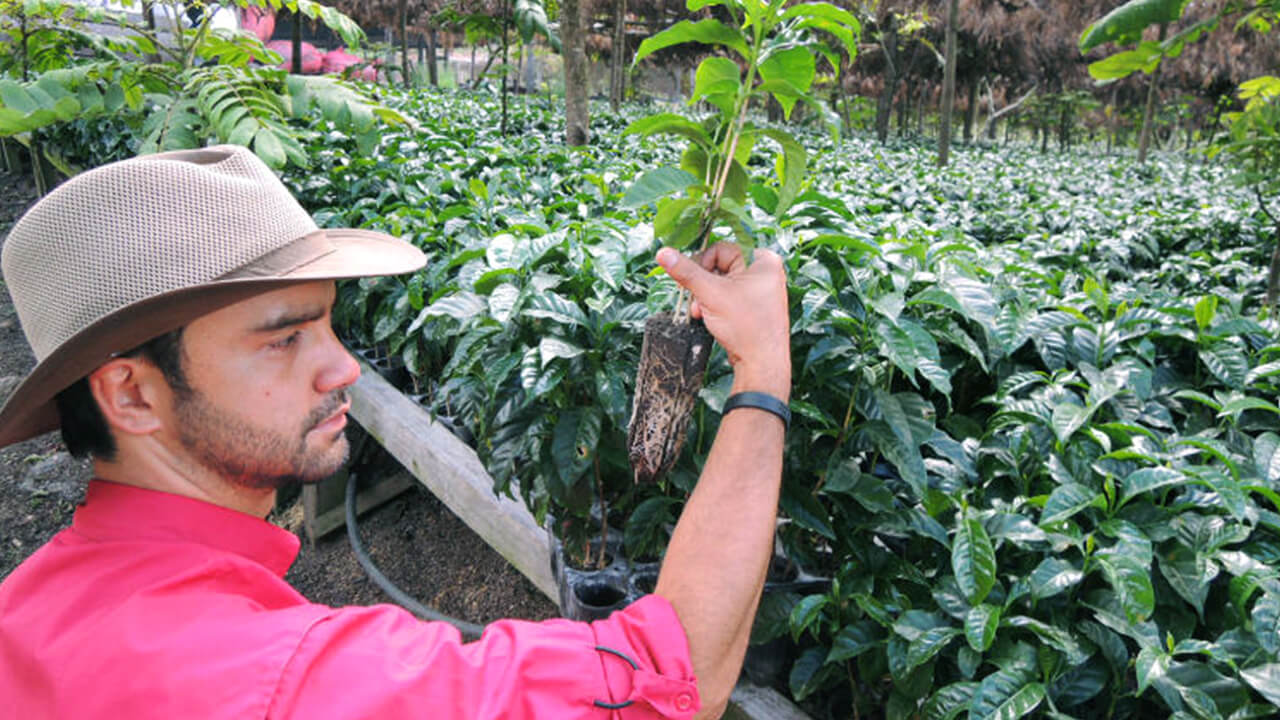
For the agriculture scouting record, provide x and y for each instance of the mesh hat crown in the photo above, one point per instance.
(123, 253)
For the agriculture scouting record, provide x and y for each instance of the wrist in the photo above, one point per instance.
(774, 381)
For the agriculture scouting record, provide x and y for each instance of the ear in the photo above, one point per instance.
(129, 393)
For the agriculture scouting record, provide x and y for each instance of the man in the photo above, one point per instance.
(179, 308)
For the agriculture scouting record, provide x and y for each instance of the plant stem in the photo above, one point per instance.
(604, 515)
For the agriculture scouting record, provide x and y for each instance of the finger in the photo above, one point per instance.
(685, 271)
(723, 257)
(767, 259)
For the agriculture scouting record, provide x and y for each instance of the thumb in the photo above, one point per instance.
(685, 271)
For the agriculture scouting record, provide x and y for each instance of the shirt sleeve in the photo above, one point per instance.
(381, 662)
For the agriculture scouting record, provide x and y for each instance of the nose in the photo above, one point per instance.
(339, 369)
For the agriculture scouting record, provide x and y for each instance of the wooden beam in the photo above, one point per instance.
(324, 505)
(452, 472)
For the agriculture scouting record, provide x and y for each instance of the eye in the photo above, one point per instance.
(286, 342)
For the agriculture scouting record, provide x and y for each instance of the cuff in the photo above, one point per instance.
(646, 663)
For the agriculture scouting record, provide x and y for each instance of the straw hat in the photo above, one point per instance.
(123, 253)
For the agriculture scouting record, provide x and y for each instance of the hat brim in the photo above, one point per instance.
(30, 410)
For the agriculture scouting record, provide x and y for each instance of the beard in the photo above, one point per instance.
(253, 456)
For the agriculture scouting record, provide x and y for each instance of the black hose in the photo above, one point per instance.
(404, 599)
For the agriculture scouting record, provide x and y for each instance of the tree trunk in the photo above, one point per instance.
(884, 109)
(1144, 140)
(432, 71)
(295, 64)
(572, 40)
(904, 108)
(506, 19)
(404, 42)
(949, 86)
(617, 66)
(971, 112)
(920, 98)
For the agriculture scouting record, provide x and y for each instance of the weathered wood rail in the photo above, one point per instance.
(452, 472)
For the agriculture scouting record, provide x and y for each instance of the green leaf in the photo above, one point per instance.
(854, 640)
(1150, 479)
(1151, 665)
(1122, 64)
(459, 306)
(973, 560)
(929, 643)
(806, 613)
(267, 145)
(1266, 457)
(1125, 24)
(788, 74)
(905, 457)
(1189, 574)
(1235, 406)
(531, 18)
(1131, 582)
(1005, 695)
(1067, 500)
(1205, 309)
(671, 124)
(707, 32)
(980, 626)
(555, 307)
(1052, 576)
(1266, 623)
(678, 221)
(791, 167)
(1069, 418)
(1266, 680)
(1227, 363)
(550, 348)
(948, 702)
(656, 183)
(717, 81)
(806, 673)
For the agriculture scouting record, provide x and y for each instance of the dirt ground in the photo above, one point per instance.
(414, 539)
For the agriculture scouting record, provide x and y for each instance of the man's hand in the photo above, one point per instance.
(744, 308)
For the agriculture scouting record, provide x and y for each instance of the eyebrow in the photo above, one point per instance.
(290, 318)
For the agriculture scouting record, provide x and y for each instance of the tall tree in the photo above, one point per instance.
(1144, 140)
(577, 117)
(617, 60)
(887, 36)
(948, 85)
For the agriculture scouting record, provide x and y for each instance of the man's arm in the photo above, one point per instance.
(715, 566)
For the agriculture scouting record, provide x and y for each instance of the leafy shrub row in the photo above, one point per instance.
(1036, 449)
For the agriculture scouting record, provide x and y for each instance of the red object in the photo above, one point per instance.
(154, 605)
(337, 62)
(259, 21)
(311, 58)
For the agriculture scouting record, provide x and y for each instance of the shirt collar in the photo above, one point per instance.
(112, 511)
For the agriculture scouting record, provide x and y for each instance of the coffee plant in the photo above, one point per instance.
(1035, 453)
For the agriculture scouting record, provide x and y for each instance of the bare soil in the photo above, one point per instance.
(414, 539)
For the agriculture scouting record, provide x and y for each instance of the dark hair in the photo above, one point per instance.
(84, 429)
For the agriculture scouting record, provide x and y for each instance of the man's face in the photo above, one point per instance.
(267, 401)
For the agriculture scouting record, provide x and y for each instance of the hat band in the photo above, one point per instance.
(285, 259)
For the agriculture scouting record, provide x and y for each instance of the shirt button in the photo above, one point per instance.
(684, 701)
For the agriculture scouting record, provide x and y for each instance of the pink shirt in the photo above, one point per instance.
(153, 605)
